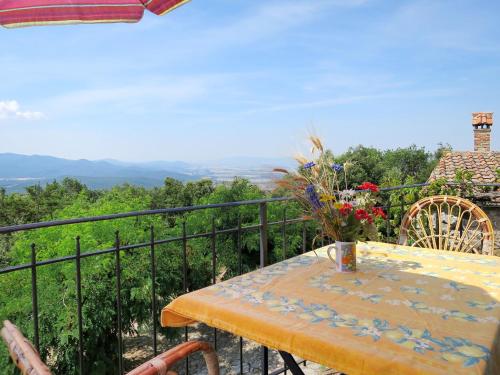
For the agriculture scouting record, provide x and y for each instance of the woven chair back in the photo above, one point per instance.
(447, 223)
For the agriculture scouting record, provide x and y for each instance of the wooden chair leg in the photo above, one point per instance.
(161, 364)
(22, 352)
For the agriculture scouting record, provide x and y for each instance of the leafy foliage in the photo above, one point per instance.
(57, 282)
(70, 198)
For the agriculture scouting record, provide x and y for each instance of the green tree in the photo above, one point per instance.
(414, 162)
(366, 164)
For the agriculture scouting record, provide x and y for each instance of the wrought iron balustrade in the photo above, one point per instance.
(395, 213)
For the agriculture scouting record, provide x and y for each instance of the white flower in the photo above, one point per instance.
(438, 310)
(492, 319)
(346, 194)
(360, 294)
(447, 297)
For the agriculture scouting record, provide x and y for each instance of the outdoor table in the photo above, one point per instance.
(404, 311)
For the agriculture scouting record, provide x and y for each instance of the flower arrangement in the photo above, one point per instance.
(345, 215)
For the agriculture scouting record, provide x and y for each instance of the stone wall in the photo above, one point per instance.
(494, 215)
(482, 140)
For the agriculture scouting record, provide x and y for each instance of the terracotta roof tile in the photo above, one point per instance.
(482, 118)
(483, 166)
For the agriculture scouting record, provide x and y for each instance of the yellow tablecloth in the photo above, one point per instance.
(405, 311)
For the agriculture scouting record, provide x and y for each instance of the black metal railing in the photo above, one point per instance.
(117, 250)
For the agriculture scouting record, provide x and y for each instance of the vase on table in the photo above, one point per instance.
(344, 257)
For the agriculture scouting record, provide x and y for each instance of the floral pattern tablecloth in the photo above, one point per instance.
(405, 311)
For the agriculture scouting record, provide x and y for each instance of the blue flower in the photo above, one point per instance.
(309, 165)
(337, 167)
(455, 349)
(313, 197)
(373, 298)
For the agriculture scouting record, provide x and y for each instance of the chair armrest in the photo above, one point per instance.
(162, 363)
(22, 351)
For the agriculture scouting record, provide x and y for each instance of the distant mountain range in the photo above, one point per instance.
(19, 171)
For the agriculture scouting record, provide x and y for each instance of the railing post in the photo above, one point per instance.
(153, 288)
(238, 240)
(402, 214)
(240, 271)
(214, 266)
(263, 234)
(34, 298)
(388, 221)
(79, 305)
(263, 263)
(119, 301)
(284, 234)
(185, 282)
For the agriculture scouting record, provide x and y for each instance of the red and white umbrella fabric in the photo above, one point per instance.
(22, 13)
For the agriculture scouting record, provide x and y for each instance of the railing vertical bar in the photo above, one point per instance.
(240, 257)
(34, 298)
(185, 281)
(263, 234)
(388, 221)
(284, 234)
(186, 339)
(184, 258)
(119, 301)
(265, 360)
(213, 238)
(402, 213)
(263, 262)
(240, 271)
(153, 289)
(79, 305)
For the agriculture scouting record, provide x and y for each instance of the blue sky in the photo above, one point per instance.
(222, 78)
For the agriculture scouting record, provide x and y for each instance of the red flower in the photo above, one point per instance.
(368, 186)
(345, 209)
(379, 212)
(361, 214)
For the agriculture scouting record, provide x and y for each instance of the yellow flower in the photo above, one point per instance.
(471, 351)
(306, 316)
(338, 205)
(395, 335)
(327, 198)
(325, 314)
(450, 357)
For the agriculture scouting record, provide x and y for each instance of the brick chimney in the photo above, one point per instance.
(482, 123)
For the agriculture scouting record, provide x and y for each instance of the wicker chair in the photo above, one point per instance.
(447, 223)
(28, 360)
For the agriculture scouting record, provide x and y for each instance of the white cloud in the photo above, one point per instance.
(12, 109)
(150, 93)
(331, 102)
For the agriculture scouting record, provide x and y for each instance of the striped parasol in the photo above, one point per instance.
(22, 13)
